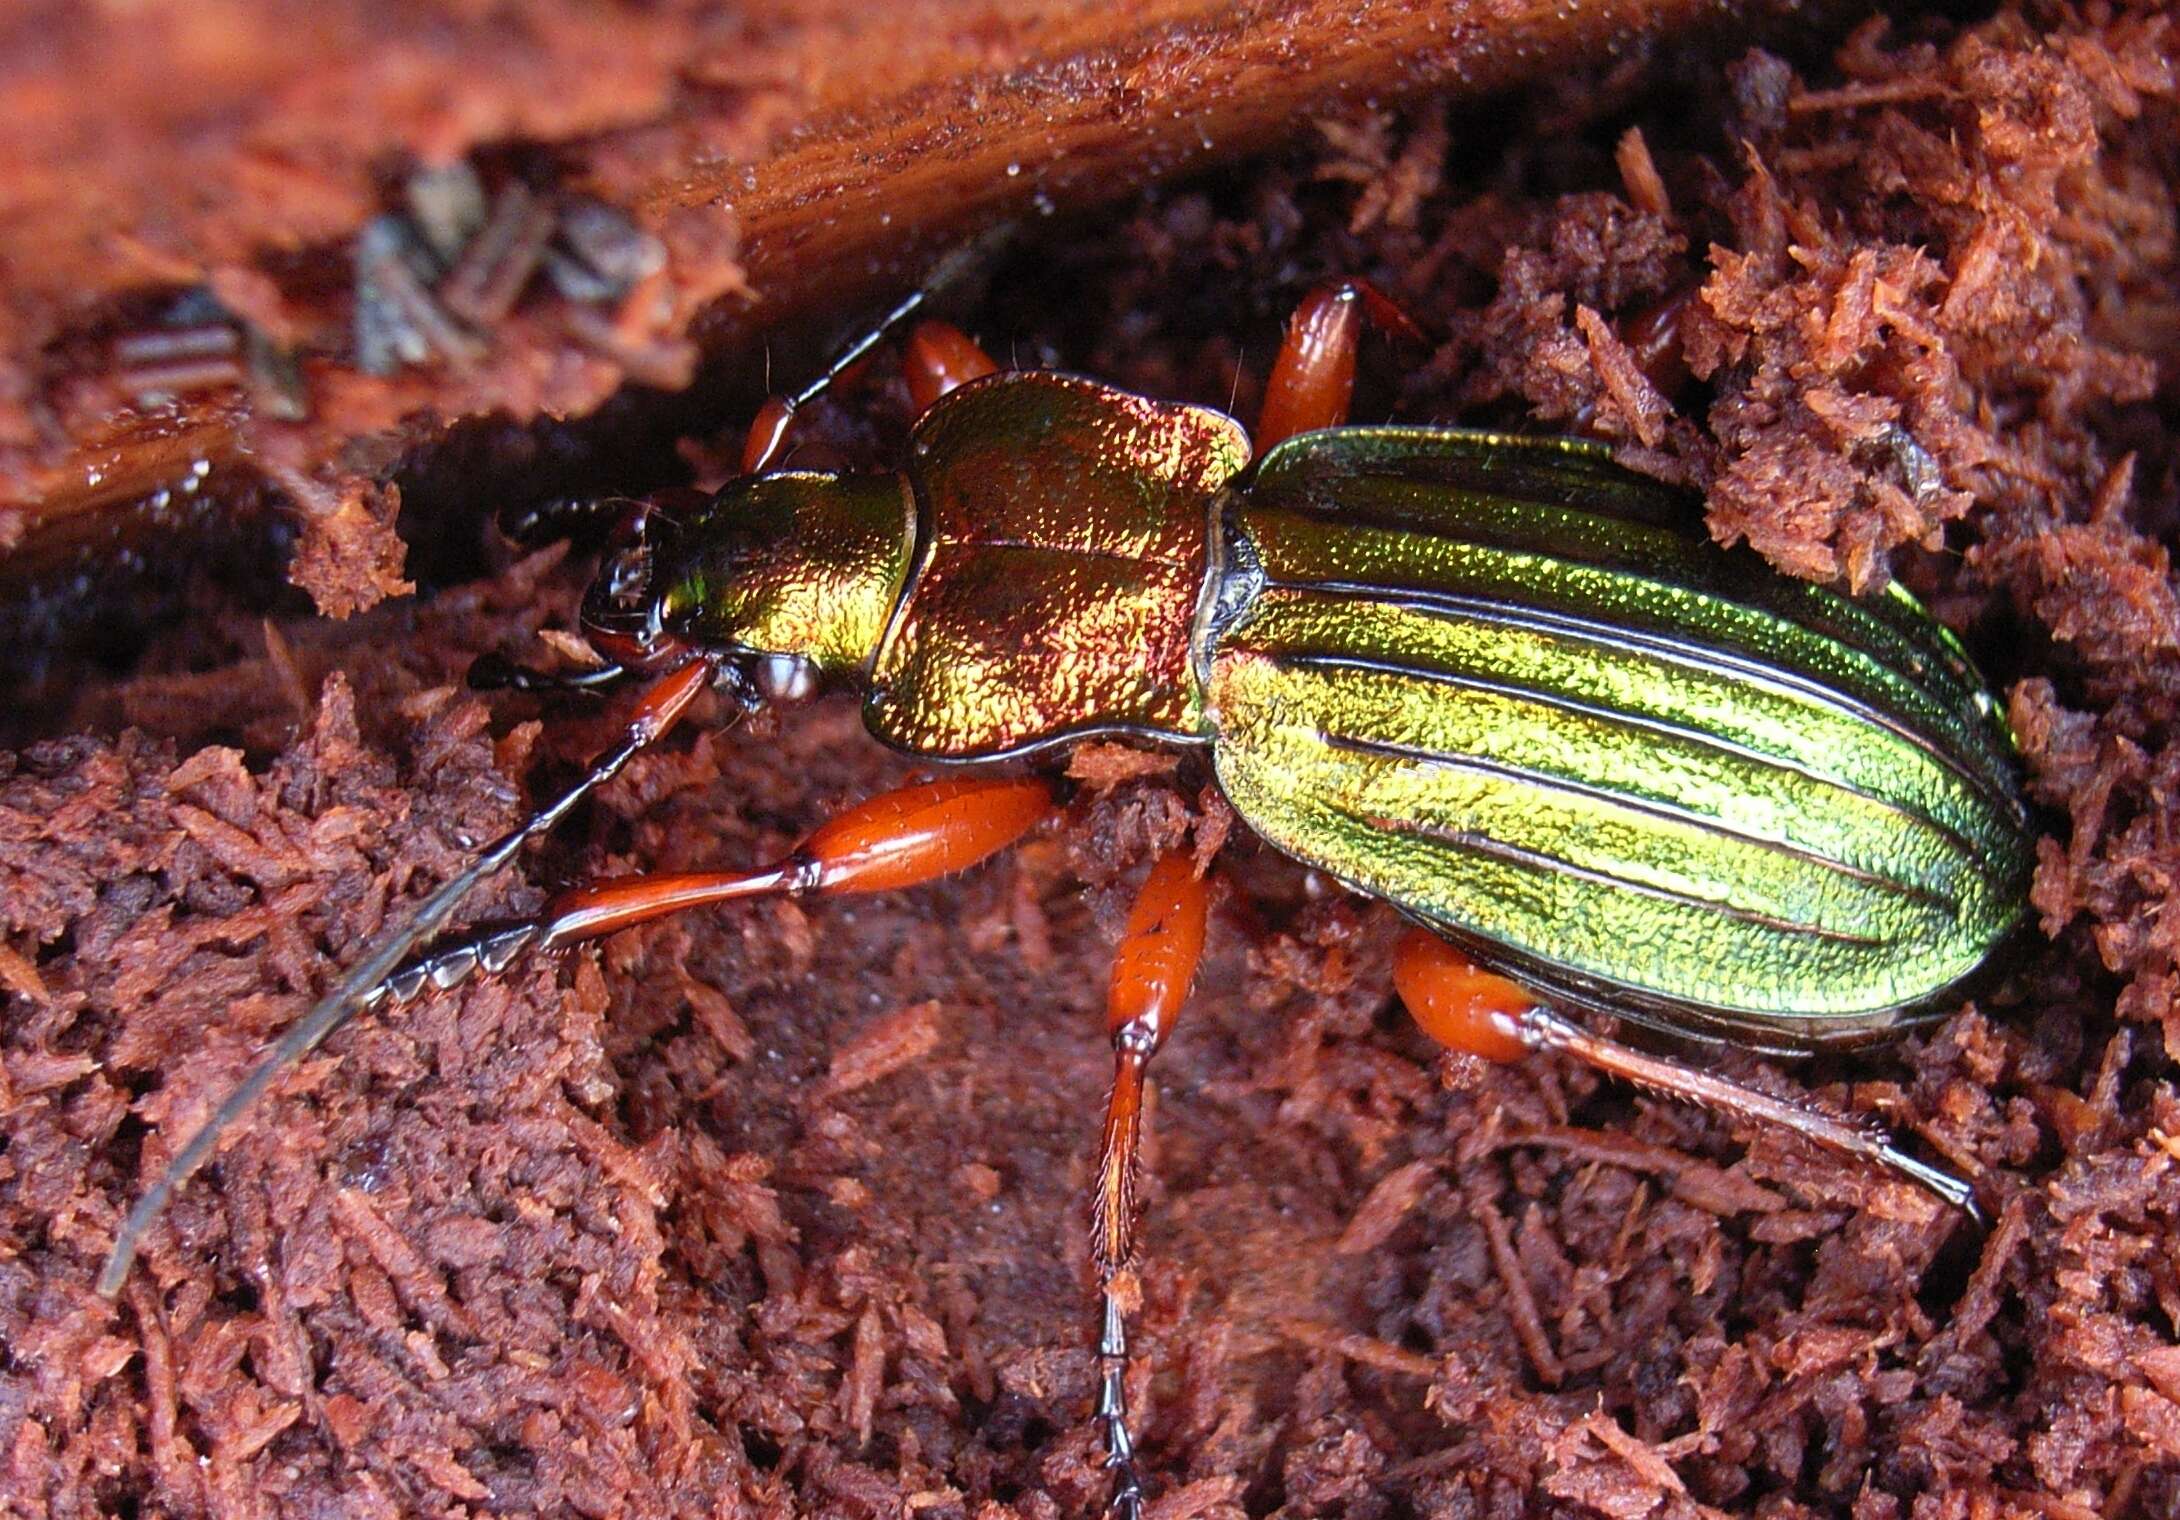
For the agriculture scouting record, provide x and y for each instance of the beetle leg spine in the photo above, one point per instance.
(1113, 1204)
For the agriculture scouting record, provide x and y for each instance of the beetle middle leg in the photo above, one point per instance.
(897, 839)
(901, 839)
(1468, 1009)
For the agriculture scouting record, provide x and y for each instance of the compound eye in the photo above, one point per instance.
(784, 678)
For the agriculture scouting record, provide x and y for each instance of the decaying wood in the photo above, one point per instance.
(792, 164)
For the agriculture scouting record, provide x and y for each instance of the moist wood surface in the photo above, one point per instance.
(791, 162)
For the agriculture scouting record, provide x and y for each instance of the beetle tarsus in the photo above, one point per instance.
(490, 950)
(1126, 1501)
(1547, 1030)
(1956, 1190)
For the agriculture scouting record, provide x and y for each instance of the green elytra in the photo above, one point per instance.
(1496, 681)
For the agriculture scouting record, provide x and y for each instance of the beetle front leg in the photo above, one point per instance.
(899, 839)
(1152, 970)
(940, 356)
(1466, 1008)
(896, 839)
(1313, 379)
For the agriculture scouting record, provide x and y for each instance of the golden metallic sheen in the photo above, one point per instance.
(1061, 558)
(1496, 681)
(795, 563)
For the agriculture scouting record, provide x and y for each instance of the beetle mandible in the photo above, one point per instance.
(1496, 681)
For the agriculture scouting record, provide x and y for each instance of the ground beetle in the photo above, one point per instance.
(1497, 681)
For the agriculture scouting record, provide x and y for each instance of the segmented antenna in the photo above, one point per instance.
(663, 703)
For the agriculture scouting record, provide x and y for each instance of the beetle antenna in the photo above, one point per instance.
(661, 705)
(860, 346)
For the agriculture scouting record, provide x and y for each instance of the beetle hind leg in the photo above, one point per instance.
(1468, 1009)
(1843, 1136)
(1152, 969)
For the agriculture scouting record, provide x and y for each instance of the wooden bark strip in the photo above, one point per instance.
(831, 159)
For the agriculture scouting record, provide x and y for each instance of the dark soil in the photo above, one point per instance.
(781, 1209)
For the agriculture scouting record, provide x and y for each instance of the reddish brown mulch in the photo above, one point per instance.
(779, 1210)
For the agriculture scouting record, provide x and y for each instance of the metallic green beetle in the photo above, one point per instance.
(1496, 681)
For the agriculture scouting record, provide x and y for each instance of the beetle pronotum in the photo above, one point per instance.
(1495, 681)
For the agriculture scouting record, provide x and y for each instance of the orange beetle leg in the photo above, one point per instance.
(1459, 1004)
(1722, 1095)
(896, 839)
(937, 357)
(1152, 970)
(1466, 1008)
(1313, 379)
(941, 356)
(381, 975)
